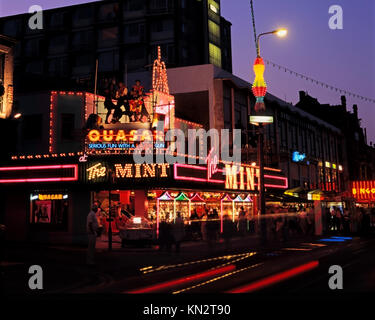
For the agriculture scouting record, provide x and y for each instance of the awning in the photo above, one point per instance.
(285, 198)
(295, 192)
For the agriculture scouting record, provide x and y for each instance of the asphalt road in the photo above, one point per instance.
(297, 267)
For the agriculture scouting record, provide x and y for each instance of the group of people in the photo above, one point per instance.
(132, 103)
(97, 224)
(283, 222)
(342, 221)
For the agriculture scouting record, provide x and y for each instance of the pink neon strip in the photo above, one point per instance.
(177, 177)
(74, 166)
(65, 166)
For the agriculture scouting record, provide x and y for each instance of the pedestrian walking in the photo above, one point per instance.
(228, 231)
(346, 222)
(178, 231)
(92, 229)
(242, 222)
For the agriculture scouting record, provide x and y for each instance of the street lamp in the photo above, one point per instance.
(260, 118)
(281, 32)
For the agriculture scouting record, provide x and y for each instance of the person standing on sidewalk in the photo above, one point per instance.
(92, 229)
(178, 231)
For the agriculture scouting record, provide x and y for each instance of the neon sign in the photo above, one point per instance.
(122, 139)
(51, 196)
(363, 190)
(141, 170)
(122, 135)
(298, 157)
(230, 177)
(231, 173)
(96, 171)
(53, 173)
(212, 162)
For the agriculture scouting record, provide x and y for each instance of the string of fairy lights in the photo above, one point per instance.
(317, 82)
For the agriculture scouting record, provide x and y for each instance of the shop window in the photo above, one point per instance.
(67, 126)
(215, 55)
(49, 209)
(32, 127)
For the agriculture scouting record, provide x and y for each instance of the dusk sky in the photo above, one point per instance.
(341, 58)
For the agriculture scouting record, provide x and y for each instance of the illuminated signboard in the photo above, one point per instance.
(52, 173)
(49, 197)
(121, 139)
(229, 177)
(298, 157)
(363, 190)
(128, 171)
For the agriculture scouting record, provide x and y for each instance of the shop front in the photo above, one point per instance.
(48, 199)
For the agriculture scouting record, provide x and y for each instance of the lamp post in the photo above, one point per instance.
(260, 119)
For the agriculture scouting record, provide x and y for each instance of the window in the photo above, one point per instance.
(35, 67)
(32, 47)
(58, 44)
(108, 11)
(134, 32)
(108, 61)
(49, 209)
(108, 37)
(135, 53)
(32, 126)
(215, 55)
(135, 5)
(159, 4)
(57, 19)
(82, 64)
(214, 32)
(58, 67)
(12, 28)
(83, 16)
(67, 126)
(82, 39)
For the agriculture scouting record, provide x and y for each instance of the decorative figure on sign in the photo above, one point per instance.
(137, 107)
(259, 86)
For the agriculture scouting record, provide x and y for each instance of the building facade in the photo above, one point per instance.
(121, 35)
(310, 151)
(360, 154)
